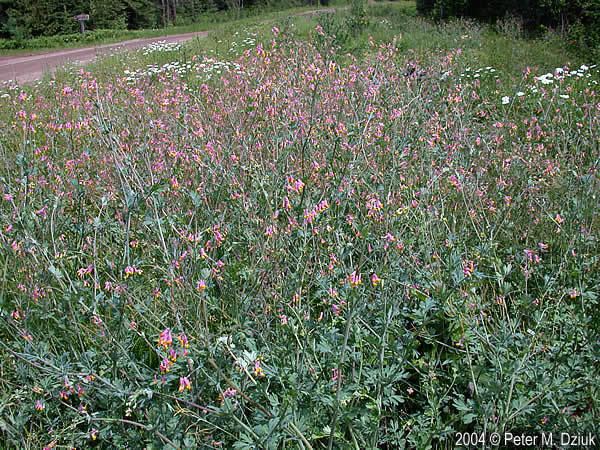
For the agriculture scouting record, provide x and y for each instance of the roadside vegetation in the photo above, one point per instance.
(202, 22)
(577, 21)
(360, 229)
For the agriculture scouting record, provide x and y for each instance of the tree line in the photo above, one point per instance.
(23, 19)
(578, 20)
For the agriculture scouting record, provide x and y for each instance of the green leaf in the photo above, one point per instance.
(56, 272)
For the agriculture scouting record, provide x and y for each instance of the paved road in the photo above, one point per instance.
(32, 67)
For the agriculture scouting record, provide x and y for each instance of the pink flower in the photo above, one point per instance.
(97, 320)
(532, 256)
(165, 365)
(39, 405)
(375, 280)
(201, 286)
(354, 279)
(132, 270)
(468, 268)
(374, 205)
(335, 309)
(229, 393)
(183, 340)
(258, 370)
(85, 270)
(184, 383)
(165, 339)
(295, 185)
(332, 261)
(42, 212)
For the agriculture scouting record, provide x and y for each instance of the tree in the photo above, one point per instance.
(580, 19)
(106, 14)
(141, 14)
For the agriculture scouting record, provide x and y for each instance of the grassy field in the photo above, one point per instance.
(353, 230)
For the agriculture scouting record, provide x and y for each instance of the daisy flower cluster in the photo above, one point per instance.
(160, 47)
(562, 83)
(151, 70)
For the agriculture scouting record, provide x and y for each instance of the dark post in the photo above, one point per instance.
(81, 18)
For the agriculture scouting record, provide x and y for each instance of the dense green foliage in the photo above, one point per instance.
(23, 19)
(579, 18)
(64, 40)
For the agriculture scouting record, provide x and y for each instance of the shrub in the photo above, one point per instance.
(580, 19)
(65, 39)
(358, 19)
(425, 6)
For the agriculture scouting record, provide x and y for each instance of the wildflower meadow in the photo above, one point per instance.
(308, 239)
